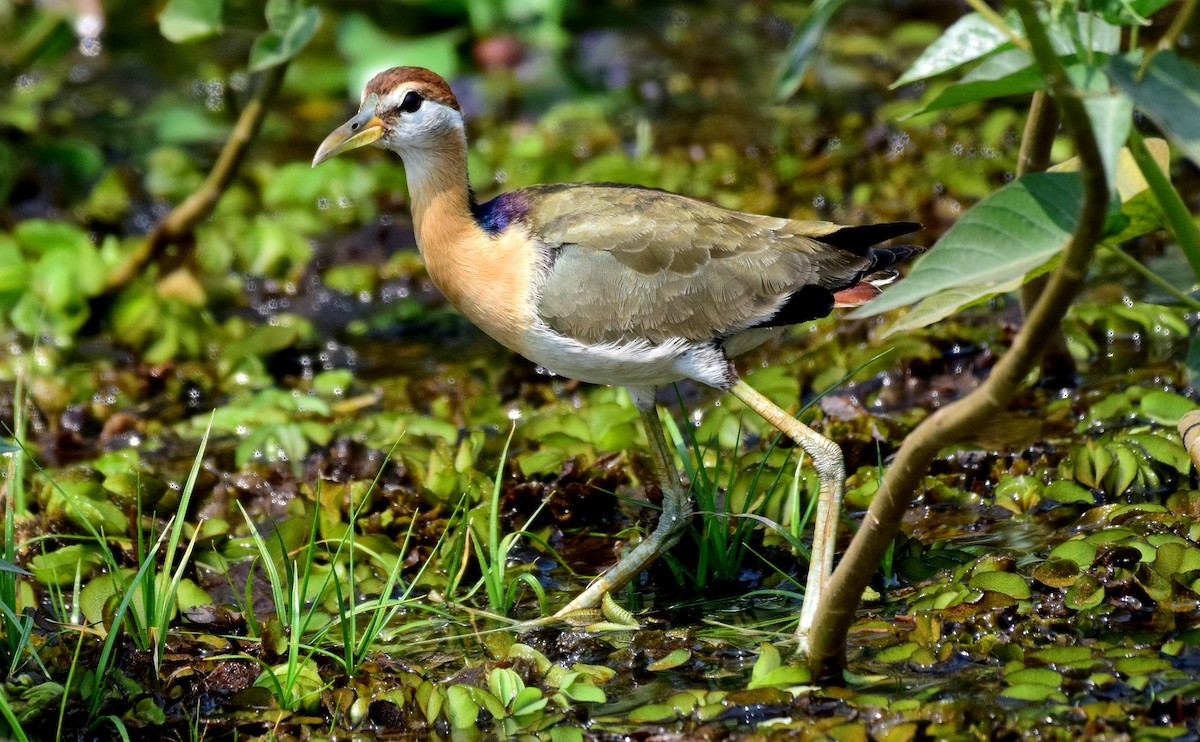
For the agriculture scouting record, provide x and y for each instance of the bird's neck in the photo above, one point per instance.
(486, 275)
(439, 192)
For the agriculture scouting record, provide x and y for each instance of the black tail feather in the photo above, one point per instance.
(883, 258)
(857, 239)
(812, 301)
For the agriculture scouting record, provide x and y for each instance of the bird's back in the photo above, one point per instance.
(626, 263)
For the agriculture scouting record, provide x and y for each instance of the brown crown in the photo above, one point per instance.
(428, 84)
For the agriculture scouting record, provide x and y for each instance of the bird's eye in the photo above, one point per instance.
(412, 101)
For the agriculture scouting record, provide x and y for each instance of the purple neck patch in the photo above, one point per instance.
(495, 215)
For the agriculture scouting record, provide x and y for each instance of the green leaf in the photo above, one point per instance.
(970, 38)
(1010, 72)
(653, 712)
(58, 567)
(461, 707)
(671, 660)
(1141, 665)
(566, 734)
(1064, 656)
(1139, 206)
(584, 692)
(528, 701)
(1169, 93)
(1006, 583)
(768, 660)
(96, 595)
(1064, 491)
(1126, 468)
(1088, 33)
(9, 568)
(1005, 236)
(1033, 692)
(84, 500)
(190, 595)
(1087, 592)
(1165, 408)
(782, 677)
(1111, 117)
(1056, 572)
(278, 45)
(1038, 675)
(800, 49)
(526, 652)
(1162, 450)
(488, 701)
(1081, 552)
(505, 684)
(1174, 559)
(188, 20)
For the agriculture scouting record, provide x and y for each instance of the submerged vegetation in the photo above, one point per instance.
(260, 481)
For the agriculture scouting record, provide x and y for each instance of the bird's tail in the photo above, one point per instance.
(877, 275)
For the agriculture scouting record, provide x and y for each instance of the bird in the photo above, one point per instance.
(626, 286)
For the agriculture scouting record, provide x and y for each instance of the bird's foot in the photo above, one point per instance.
(607, 616)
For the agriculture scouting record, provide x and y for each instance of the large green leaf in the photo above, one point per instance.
(945, 303)
(1010, 72)
(1088, 33)
(1138, 203)
(1005, 236)
(973, 38)
(187, 20)
(1169, 93)
(800, 49)
(1002, 273)
(970, 38)
(1111, 117)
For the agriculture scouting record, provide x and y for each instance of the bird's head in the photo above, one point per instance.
(404, 109)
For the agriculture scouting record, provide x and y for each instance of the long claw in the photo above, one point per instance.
(676, 509)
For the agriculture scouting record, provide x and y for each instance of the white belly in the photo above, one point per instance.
(638, 363)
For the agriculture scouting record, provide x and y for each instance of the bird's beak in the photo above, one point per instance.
(359, 131)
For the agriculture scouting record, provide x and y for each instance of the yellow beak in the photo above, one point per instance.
(359, 131)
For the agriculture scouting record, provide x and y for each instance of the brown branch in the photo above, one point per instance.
(1036, 143)
(184, 217)
(1038, 137)
(879, 527)
(1182, 19)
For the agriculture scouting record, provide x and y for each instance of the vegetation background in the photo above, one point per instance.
(261, 481)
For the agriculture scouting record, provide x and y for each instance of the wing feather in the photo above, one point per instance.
(635, 263)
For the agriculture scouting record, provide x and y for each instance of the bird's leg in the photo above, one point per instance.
(676, 508)
(827, 460)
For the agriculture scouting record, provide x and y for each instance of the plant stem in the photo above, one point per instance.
(1034, 157)
(1168, 198)
(1182, 19)
(1153, 277)
(879, 527)
(990, 15)
(1038, 138)
(184, 217)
